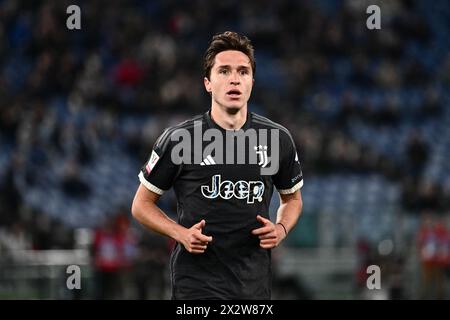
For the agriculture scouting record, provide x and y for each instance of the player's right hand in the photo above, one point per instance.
(194, 241)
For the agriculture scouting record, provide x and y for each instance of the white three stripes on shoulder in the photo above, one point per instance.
(208, 161)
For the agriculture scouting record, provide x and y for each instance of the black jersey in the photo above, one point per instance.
(228, 193)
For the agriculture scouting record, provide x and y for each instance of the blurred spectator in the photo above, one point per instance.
(388, 75)
(113, 254)
(389, 114)
(72, 184)
(10, 196)
(365, 258)
(415, 74)
(417, 152)
(433, 248)
(14, 239)
(397, 278)
(429, 196)
(42, 232)
(432, 106)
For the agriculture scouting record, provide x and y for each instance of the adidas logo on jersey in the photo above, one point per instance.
(207, 161)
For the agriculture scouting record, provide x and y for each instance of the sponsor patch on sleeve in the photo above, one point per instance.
(152, 162)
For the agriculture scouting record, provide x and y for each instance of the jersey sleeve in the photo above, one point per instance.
(159, 172)
(289, 177)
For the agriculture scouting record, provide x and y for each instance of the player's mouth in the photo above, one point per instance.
(234, 94)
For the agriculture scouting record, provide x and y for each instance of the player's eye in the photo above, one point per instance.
(223, 71)
(243, 72)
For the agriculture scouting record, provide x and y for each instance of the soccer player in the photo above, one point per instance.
(224, 234)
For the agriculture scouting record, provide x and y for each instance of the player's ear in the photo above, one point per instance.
(207, 84)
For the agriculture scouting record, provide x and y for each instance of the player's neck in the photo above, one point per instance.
(226, 120)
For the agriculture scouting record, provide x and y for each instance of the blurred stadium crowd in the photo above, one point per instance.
(80, 110)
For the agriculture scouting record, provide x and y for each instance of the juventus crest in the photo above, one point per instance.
(261, 151)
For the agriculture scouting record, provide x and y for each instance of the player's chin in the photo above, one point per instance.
(234, 108)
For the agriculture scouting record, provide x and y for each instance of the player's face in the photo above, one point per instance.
(231, 80)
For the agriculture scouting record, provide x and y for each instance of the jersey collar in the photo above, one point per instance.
(212, 124)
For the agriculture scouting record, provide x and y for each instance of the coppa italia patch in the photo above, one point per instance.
(151, 163)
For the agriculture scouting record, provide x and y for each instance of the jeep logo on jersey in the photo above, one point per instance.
(249, 190)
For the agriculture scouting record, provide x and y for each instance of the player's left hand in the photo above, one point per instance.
(270, 234)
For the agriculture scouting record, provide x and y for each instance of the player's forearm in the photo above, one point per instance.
(153, 218)
(289, 212)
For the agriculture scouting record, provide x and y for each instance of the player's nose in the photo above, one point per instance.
(234, 78)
